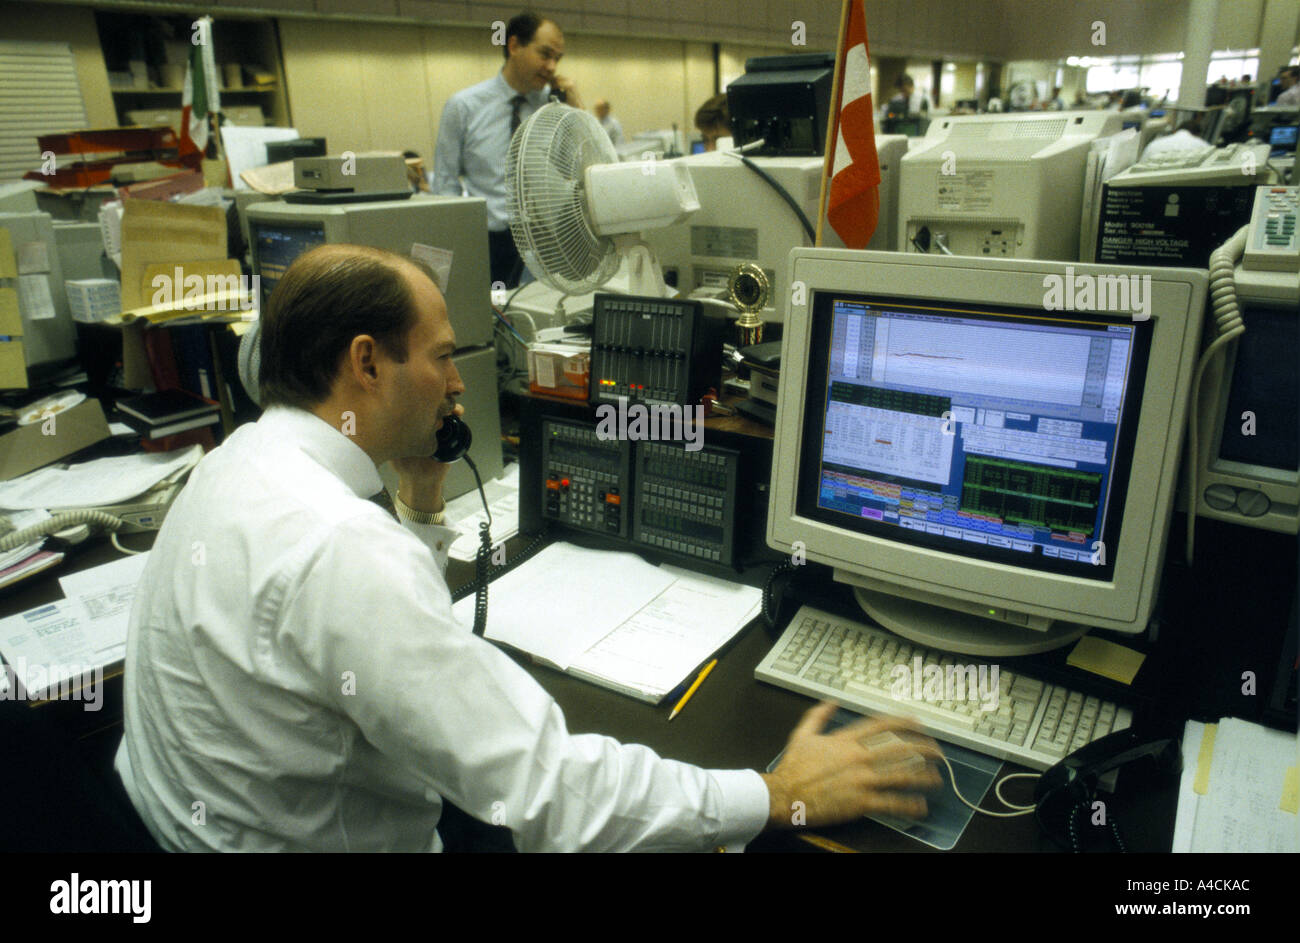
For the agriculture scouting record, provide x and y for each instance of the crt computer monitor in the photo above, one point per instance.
(991, 476)
(999, 186)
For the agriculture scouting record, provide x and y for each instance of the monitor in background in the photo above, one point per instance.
(453, 228)
(992, 476)
(280, 232)
(1282, 139)
(999, 186)
(743, 219)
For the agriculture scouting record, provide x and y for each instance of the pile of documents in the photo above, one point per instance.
(613, 619)
(75, 636)
(1240, 790)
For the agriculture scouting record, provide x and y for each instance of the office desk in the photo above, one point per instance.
(732, 721)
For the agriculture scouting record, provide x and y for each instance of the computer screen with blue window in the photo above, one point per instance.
(990, 471)
(1000, 434)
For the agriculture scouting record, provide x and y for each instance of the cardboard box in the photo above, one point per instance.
(559, 370)
(28, 448)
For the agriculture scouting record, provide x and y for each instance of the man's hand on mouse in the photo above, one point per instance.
(871, 766)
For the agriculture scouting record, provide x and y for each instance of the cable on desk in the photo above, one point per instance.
(997, 790)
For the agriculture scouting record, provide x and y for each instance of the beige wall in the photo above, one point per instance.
(389, 90)
(76, 27)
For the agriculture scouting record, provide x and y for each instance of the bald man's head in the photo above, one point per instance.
(330, 295)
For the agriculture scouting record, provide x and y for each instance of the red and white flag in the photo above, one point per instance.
(854, 205)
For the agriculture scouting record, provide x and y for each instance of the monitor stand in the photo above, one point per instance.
(952, 631)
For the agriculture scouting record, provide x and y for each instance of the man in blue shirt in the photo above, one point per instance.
(477, 124)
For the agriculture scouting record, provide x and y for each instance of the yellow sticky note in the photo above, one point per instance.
(1106, 659)
(8, 267)
(1291, 791)
(1201, 784)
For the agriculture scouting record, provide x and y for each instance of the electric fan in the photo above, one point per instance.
(576, 212)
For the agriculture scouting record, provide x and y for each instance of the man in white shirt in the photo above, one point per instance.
(478, 122)
(295, 679)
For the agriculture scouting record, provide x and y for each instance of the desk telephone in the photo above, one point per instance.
(142, 513)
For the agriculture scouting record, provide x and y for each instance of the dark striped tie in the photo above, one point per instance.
(518, 102)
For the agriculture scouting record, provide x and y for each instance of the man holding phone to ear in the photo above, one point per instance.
(295, 679)
(478, 122)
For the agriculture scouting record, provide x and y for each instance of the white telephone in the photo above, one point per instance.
(141, 513)
(1267, 281)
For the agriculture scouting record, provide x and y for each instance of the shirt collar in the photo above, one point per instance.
(536, 99)
(324, 444)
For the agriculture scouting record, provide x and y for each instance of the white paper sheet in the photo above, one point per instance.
(92, 484)
(106, 592)
(467, 513)
(1239, 812)
(34, 298)
(565, 599)
(246, 147)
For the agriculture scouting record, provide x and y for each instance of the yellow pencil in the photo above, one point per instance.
(691, 690)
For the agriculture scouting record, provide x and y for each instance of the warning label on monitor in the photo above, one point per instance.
(966, 192)
(724, 242)
(1169, 225)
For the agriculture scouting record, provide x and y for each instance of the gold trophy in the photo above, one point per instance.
(749, 290)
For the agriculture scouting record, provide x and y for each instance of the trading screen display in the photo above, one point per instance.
(997, 433)
(275, 248)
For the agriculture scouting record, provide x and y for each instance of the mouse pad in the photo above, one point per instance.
(949, 816)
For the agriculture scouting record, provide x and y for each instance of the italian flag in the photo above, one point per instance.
(202, 90)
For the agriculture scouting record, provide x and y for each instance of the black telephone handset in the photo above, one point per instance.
(454, 439)
(1068, 788)
(560, 95)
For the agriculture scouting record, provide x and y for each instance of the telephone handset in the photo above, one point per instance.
(454, 439)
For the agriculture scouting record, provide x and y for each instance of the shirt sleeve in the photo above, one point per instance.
(448, 151)
(464, 718)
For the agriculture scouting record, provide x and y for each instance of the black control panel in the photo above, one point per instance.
(704, 508)
(585, 480)
(653, 350)
(686, 501)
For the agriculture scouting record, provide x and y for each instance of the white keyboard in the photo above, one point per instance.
(1017, 718)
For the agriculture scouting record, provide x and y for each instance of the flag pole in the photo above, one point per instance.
(828, 162)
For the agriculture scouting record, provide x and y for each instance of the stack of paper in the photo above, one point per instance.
(1239, 791)
(73, 636)
(613, 619)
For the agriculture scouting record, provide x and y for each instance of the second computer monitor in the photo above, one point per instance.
(986, 450)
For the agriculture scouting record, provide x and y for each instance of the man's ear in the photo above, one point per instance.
(362, 360)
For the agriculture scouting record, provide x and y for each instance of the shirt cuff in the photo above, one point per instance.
(745, 807)
(437, 537)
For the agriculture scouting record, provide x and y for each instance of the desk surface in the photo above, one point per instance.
(733, 721)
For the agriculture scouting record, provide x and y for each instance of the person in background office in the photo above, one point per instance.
(1289, 97)
(292, 659)
(608, 122)
(1057, 103)
(907, 100)
(478, 122)
(713, 121)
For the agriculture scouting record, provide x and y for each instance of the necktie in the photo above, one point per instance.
(386, 502)
(518, 103)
